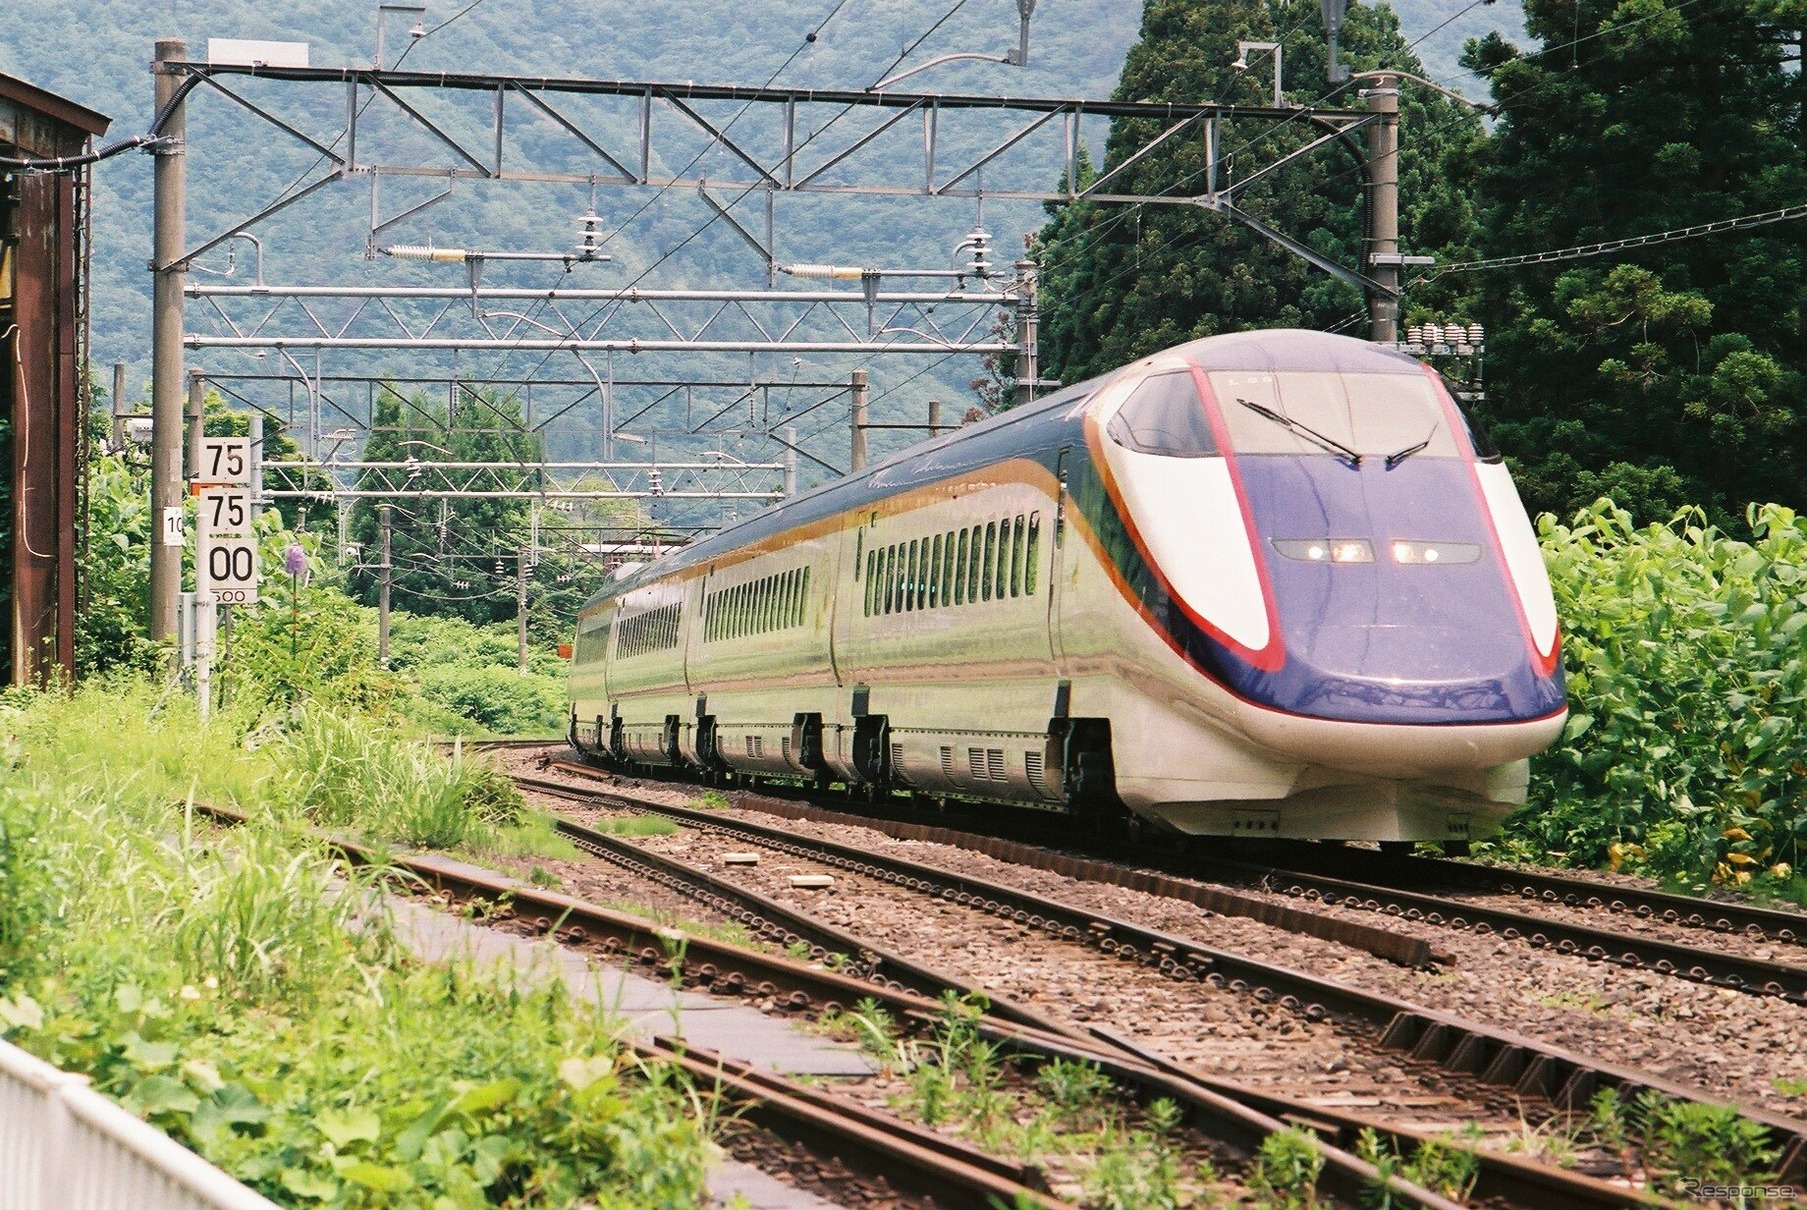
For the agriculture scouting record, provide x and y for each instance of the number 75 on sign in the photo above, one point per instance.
(224, 510)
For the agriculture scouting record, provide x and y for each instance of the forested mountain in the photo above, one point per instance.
(1125, 281)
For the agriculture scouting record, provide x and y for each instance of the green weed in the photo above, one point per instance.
(1285, 1172)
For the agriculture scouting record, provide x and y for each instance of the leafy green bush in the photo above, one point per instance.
(496, 699)
(1686, 655)
(26, 883)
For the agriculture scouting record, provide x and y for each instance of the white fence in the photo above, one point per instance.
(64, 1146)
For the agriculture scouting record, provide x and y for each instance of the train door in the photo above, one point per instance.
(1059, 558)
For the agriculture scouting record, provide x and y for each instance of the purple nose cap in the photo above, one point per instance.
(295, 560)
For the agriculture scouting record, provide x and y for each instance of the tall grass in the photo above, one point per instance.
(343, 772)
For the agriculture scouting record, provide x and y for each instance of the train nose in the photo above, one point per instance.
(1410, 672)
(1351, 670)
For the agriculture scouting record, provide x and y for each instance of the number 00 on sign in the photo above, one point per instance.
(229, 569)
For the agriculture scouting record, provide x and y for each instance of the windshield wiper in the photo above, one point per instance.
(1398, 456)
(1343, 453)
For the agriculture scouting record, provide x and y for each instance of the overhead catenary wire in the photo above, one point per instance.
(1608, 247)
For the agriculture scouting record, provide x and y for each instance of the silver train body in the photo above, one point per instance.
(1271, 584)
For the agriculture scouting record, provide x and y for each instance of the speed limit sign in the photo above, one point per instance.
(228, 568)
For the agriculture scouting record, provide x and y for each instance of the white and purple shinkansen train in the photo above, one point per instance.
(1271, 584)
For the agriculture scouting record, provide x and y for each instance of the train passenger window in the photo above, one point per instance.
(871, 560)
(890, 578)
(934, 576)
(803, 599)
(973, 559)
(988, 561)
(1001, 576)
(1165, 416)
(960, 571)
(949, 569)
(1016, 556)
(1032, 556)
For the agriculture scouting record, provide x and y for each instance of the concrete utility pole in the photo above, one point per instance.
(197, 412)
(118, 406)
(934, 419)
(790, 460)
(1383, 209)
(382, 591)
(860, 393)
(257, 465)
(1028, 322)
(520, 609)
(168, 274)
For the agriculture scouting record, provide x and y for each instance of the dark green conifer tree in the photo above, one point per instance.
(1668, 374)
(452, 557)
(1120, 281)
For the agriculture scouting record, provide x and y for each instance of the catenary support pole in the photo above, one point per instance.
(167, 280)
(934, 419)
(520, 609)
(1027, 335)
(861, 392)
(197, 413)
(790, 460)
(1383, 209)
(382, 591)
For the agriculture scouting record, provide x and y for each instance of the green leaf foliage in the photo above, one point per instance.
(1686, 654)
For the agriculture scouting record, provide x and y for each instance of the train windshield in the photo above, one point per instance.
(1333, 415)
(1164, 415)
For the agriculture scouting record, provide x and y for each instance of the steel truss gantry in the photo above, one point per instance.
(469, 127)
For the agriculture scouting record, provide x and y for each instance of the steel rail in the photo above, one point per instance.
(1499, 1176)
(1497, 1056)
(1755, 976)
(787, 927)
(1669, 907)
(919, 1159)
(1382, 943)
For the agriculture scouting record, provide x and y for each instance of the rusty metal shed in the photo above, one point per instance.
(43, 317)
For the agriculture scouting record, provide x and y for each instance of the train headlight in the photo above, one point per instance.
(1326, 550)
(1419, 553)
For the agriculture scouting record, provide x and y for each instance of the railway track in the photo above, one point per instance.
(922, 1161)
(1303, 877)
(1466, 1052)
